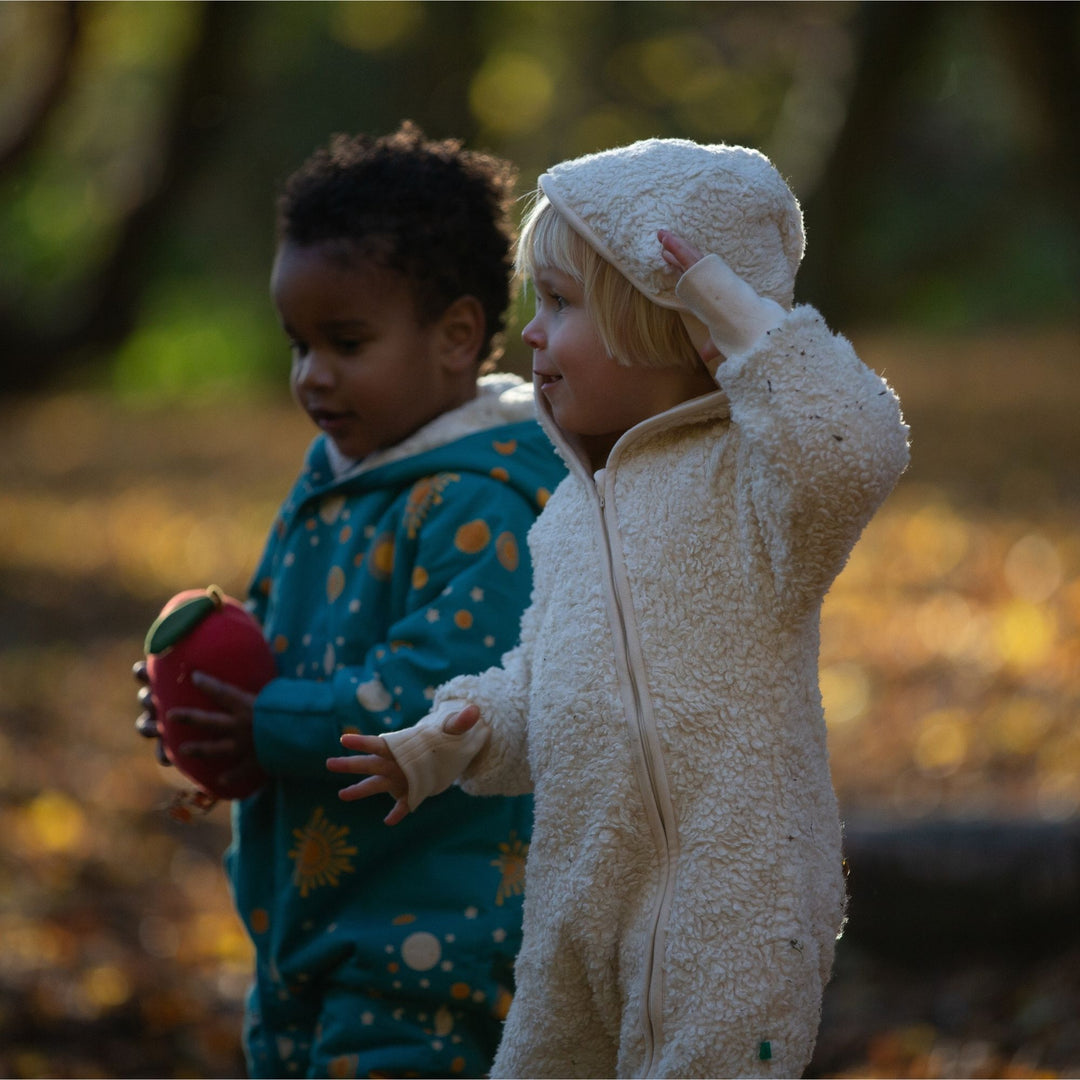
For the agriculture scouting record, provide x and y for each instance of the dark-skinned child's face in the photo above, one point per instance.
(365, 368)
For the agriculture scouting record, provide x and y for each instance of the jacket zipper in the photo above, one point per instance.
(652, 990)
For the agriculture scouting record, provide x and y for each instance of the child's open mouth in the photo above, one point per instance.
(329, 421)
(547, 380)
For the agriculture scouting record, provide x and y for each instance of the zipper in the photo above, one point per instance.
(653, 784)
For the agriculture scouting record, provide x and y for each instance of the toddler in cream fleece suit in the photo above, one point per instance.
(684, 887)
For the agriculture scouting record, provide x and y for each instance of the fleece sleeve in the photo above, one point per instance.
(821, 441)
(456, 616)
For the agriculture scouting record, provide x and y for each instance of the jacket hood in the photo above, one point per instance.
(726, 200)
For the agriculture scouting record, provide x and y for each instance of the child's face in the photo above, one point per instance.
(364, 368)
(590, 394)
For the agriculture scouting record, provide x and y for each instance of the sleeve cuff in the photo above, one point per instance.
(737, 317)
(430, 758)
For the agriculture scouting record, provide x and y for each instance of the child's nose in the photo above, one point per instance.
(313, 370)
(532, 334)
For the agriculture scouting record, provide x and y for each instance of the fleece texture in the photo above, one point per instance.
(381, 579)
(726, 200)
(684, 883)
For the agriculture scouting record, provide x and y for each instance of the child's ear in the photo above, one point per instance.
(461, 329)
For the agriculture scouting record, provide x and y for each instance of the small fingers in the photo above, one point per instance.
(462, 721)
(399, 812)
(218, 721)
(369, 764)
(213, 748)
(366, 744)
(676, 251)
(147, 726)
(372, 785)
(226, 694)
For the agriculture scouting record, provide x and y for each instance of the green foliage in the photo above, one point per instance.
(965, 217)
(201, 340)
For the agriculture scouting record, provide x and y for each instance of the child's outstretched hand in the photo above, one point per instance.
(382, 770)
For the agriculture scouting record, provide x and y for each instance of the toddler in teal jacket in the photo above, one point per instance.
(398, 560)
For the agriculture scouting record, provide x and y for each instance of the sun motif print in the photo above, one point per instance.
(511, 867)
(322, 853)
(425, 494)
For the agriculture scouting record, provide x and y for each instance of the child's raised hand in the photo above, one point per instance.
(681, 255)
(738, 315)
(677, 252)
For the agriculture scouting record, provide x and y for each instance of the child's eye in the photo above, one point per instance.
(297, 348)
(348, 346)
(558, 300)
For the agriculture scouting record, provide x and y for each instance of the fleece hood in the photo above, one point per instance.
(726, 200)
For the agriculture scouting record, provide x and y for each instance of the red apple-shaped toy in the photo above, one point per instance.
(204, 630)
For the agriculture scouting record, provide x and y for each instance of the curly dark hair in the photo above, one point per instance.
(434, 212)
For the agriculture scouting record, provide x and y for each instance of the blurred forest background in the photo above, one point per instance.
(146, 437)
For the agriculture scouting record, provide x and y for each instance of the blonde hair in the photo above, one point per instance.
(634, 330)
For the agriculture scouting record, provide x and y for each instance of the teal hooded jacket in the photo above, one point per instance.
(376, 586)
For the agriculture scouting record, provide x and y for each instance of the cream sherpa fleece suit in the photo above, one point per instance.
(684, 886)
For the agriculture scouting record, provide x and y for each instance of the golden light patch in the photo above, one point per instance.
(473, 536)
(280, 643)
(345, 535)
(460, 991)
(457, 1065)
(506, 549)
(463, 619)
(322, 853)
(542, 496)
(330, 508)
(419, 577)
(403, 920)
(335, 583)
(499, 473)
(259, 920)
(502, 1003)
(505, 448)
(265, 584)
(381, 563)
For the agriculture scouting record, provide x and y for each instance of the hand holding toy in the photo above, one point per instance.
(206, 632)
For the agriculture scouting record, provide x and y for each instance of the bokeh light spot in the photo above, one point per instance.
(512, 93)
(376, 24)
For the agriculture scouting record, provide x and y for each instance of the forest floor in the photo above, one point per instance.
(950, 674)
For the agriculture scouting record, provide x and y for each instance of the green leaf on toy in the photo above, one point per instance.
(175, 625)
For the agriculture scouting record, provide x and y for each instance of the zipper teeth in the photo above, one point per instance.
(650, 987)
